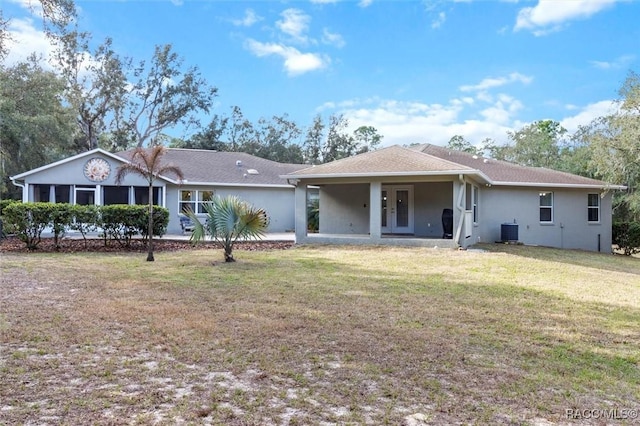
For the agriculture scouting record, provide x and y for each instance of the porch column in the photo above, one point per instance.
(27, 193)
(301, 212)
(375, 210)
(52, 193)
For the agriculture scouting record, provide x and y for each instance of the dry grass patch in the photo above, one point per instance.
(318, 335)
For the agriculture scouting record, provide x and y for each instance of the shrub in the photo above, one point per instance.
(85, 220)
(61, 217)
(626, 236)
(29, 220)
(5, 228)
(121, 222)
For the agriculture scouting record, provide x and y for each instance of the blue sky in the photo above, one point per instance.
(418, 71)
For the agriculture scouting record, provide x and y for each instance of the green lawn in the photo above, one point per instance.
(320, 335)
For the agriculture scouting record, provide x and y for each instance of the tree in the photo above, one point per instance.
(312, 146)
(459, 143)
(537, 144)
(35, 127)
(55, 14)
(163, 96)
(209, 138)
(96, 88)
(614, 143)
(147, 163)
(331, 141)
(366, 138)
(229, 219)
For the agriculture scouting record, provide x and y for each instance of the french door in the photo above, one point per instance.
(397, 209)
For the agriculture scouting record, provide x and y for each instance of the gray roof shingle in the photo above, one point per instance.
(503, 172)
(386, 161)
(231, 168)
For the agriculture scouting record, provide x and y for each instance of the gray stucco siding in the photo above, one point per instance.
(277, 202)
(569, 229)
(344, 209)
(429, 200)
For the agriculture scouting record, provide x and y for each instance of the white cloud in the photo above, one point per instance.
(295, 62)
(250, 17)
(437, 23)
(618, 63)
(550, 15)
(588, 114)
(324, 1)
(365, 3)
(34, 7)
(492, 82)
(334, 39)
(25, 39)
(406, 122)
(295, 23)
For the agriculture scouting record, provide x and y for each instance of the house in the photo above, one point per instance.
(89, 178)
(431, 196)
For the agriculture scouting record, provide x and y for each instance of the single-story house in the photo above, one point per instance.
(429, 195)
(89, 178)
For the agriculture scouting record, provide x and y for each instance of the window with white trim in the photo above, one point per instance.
(546, 207)
(194, 200)
(593, 208)
(476, 192)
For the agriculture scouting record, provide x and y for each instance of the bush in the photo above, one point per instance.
(85, 220)
(626, 236)
(29, 220)
(5, 228)
(118, 222)
(121, 222)
(61, 217)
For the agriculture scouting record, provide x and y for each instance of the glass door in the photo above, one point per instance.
(397, 209)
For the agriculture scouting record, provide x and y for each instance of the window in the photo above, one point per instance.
(593, 207)
(471, 200)
(194, 200)
(546, 207)
(63, 193)
(476, 191)
(141, 194)
(204, 197)
(115, 195)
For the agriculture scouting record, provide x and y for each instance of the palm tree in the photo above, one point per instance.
(147, 164)
(228, 220)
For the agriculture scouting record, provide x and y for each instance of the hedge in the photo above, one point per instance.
(626, 236)
(118, 222)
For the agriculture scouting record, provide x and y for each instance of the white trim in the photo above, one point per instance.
(187, 183)
(82, 155)
(387, 174)
(560, 185)
(69, 159)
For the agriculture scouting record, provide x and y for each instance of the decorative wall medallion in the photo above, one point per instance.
(97, 169)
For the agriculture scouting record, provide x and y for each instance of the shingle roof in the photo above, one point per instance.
(436, 160)
(503, 172)
(232, 168)
(393, 160)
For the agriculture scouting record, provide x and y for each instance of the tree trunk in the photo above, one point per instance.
(150, 228)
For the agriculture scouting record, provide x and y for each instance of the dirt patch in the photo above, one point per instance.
(69, 245)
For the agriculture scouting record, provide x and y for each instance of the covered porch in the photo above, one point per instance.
(425, 211)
